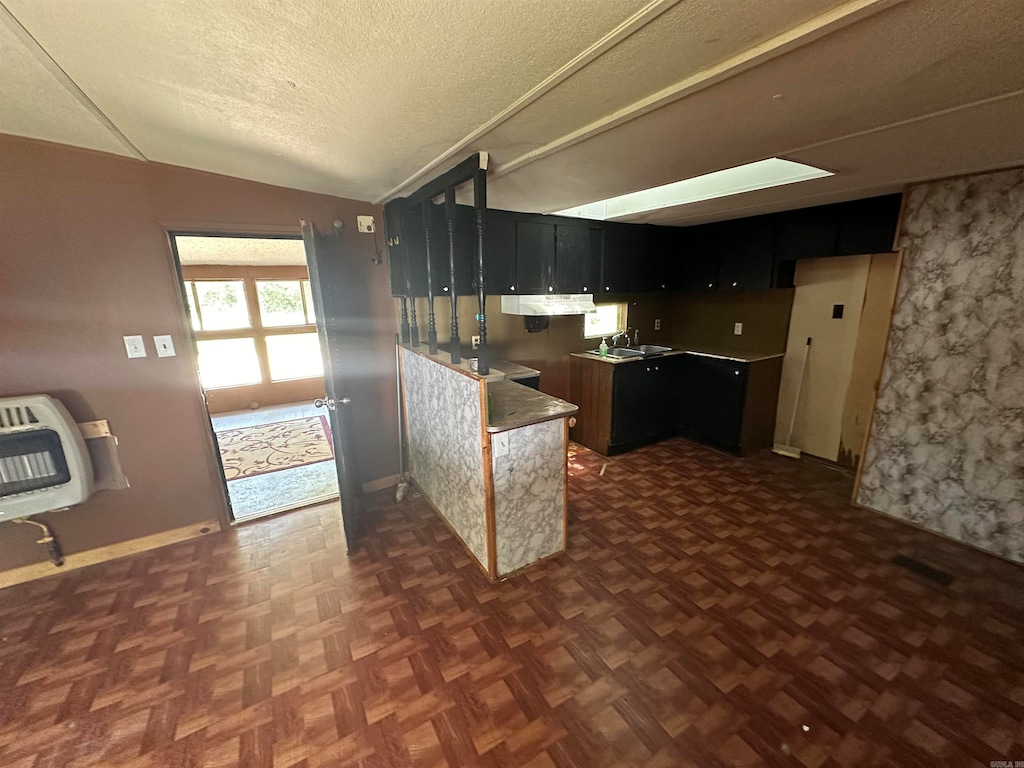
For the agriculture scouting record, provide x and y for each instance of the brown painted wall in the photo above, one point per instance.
(84, 260)
(707, 320)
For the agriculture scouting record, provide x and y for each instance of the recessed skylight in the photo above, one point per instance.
(764, 174)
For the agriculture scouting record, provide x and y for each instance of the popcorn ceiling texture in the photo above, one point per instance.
(947, 445)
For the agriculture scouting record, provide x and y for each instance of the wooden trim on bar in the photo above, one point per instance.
(89, 557)
(565, 485)
(497, 375)
(881, 370)
(534, 564)
(489, 502)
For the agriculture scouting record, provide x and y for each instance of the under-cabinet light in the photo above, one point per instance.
(764, 174)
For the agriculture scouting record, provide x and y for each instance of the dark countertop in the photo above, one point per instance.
(511, 405)
(683, 349)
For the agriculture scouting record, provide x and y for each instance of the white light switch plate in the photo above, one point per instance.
(135, 346)
(164, 346)
(737, 329)
(364, 223)
(500, 444)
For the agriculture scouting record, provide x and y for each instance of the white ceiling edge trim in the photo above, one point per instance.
(797, 37)
(630, 26)
(11, 22)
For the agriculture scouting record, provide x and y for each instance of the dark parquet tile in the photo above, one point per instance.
(710, 611)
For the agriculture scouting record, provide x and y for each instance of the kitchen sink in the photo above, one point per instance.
(618, 352)
(653, 349)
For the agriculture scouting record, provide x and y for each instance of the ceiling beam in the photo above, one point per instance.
(11, 22)
(814, 29)
(637, 21)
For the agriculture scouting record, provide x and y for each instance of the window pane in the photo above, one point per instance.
(604, 322)
(280, 302)
(294, 356)
(192, 307)
(308, 292)
(222, 303)
(228, 363)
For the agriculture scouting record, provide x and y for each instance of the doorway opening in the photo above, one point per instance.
(259, 361)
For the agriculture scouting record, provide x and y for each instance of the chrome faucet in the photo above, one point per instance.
(636, 338)
(621, 336)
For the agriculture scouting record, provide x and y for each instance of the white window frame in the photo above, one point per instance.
(620, 321)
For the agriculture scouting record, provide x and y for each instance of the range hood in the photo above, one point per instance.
(549, 304)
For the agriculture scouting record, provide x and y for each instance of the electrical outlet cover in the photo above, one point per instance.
(657, 324)
(365, 223)
(737, 329)
(500, 444)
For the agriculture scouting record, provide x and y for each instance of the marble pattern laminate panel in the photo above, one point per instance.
(947, 446)
(445, 449)
(529, 495)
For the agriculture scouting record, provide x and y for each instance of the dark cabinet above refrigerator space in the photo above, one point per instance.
(528, 253)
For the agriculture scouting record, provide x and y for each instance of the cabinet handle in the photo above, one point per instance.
(656, 368)
(511, 287)
(584, 289)
(445, 289)
(734, 285)
(607, 287)
(551, 289)
(737, 373)
(711, 285)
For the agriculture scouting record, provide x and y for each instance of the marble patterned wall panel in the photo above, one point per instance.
(445, 448)
(947, 446)
(529, 493)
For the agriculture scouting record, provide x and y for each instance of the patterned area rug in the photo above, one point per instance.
(257, 450)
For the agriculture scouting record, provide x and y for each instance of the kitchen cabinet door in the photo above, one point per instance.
(809, 233)
(670, 245)
(463, 232)
(868, 226)
(499, 252)
(632, 415)
(746, 252)
(398, 259)
(572, 260)
(535, 257)
(698, 268)
(713, 394)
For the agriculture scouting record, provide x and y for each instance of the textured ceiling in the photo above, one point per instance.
(249, 251)
(575, 100)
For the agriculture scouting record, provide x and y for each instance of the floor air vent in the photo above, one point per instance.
(923, 569)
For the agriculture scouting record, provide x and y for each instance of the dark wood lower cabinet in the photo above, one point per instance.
(726, 404)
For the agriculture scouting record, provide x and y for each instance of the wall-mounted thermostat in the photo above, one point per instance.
(365, 224)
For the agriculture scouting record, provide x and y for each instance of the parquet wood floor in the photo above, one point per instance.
(711, 611)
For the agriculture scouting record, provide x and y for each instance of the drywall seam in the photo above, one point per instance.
(62, 77)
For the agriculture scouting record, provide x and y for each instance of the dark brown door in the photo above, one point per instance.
(335, 322)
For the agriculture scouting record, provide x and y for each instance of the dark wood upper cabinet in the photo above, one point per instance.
(629, 261)
(746, 250)
(573, 255)
(867, 226)
(698, 269)
(499, 252)
(535, 257)
(809, 233)
(541, 254)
